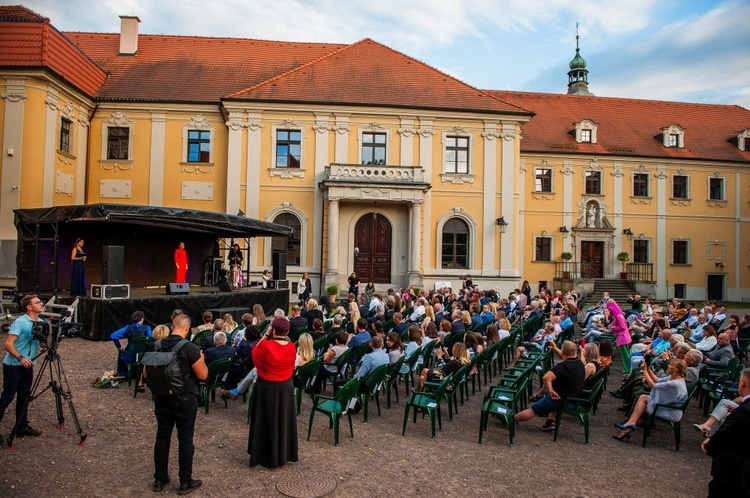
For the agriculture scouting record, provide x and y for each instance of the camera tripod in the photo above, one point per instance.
(58, 383)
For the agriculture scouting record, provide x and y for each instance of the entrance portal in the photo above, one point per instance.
(372, 236)
(592, 253)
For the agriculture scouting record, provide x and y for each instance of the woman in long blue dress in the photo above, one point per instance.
(78, 278)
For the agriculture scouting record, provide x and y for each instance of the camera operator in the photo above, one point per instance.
(18, 366)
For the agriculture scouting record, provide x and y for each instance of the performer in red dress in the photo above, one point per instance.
(180, 263)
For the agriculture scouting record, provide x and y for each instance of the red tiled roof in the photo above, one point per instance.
(369, 73)
(630, 127)
(191, 68)
(27, 39)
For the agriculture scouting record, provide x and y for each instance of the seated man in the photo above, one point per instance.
(696, 333)
(720, 356)
(297, 321)
(136, 329)
(220, 350)
(565, 380)
(370, 362)
(362, 335)
(657, 347)
(399, 325)
(594, 330)
(719, 414)
(209, 341)
(537, 343)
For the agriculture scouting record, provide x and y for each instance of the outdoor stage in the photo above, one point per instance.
(100, 318)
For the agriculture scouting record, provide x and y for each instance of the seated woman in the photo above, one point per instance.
(395, 349)
(328, 367)
(594, 330)
(305, 351)
(709, 340)
(670, 389)
(537, 343)
(718, 415)
(229, 324)
(460, 358)
(606, 352)
(311, 313)
(317, 331)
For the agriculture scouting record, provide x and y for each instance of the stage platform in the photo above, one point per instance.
(100, 318)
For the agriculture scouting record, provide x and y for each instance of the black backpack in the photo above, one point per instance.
(164, 374)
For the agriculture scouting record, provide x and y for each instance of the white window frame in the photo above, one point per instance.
(648, 184)
(198, 123)
(118, 120)
(601, 182)
(723, 188)
(70, 135)
(288, 207)
(688, 259)
(551, 179)
(374, 128)
(291, 126)
(538, 236)
(588, 125)
(456, 212)
(458, 177)
(674, 129)
(688, 187)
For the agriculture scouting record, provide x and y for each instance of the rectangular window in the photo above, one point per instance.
(456, 154)
(118, 142)
(640, 185)
(716, 189)
(673, 140)
(543, 180)
(680, 187)
(373, 148)
(65, 135)
(679, 252)
(640, 251)
(679, 291)
(586, 136)
(199, 146)
(543, 248)
(288, 148)
(593, 182)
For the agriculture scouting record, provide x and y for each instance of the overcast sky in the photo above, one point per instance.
(686, 50)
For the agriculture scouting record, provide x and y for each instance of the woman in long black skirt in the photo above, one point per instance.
(272, 441)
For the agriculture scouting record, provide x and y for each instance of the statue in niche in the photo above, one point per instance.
(591, 217)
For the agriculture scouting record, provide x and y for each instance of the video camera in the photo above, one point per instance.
(51, 330)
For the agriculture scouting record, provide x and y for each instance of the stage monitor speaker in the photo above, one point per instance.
(224, 286)
(113, 265)
(178, 288)
(279, 265)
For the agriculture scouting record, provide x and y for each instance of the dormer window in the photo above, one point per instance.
(743, 139)
(673, 136)
(586, 132)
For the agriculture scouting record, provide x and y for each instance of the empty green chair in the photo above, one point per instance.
(374, 382)
(429, 403)
(334, 407)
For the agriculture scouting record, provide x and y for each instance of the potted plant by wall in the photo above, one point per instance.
(566, 256)
(623, 258)
(333, 293)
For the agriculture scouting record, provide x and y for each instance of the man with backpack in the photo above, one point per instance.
(172, 373)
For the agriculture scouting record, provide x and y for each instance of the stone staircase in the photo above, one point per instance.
(618, 290)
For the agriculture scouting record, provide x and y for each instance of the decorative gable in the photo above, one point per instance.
(743, 139)
(673, 136)
(586, 132)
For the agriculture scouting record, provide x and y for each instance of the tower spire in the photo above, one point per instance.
(578, 75)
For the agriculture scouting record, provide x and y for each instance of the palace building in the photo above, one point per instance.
(382, 164)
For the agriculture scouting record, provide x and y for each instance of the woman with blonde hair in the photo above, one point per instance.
(459, 359)
(160, 332)
(258, 314)
(305, 350)
(229, 323)
(312, 312)
(503, 326)
(466, 318)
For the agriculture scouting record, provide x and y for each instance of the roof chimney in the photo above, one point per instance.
(129, 35)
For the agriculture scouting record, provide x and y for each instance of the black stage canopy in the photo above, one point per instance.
(149, 235)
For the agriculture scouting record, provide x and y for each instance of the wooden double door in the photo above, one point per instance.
(592, 259)
(373, 237)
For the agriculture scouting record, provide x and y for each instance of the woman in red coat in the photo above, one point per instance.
(180, 263)
(273, 421)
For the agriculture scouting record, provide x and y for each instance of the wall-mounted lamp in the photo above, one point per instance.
(719, 265)
(500, 222)
(628, 233)
(564, 231)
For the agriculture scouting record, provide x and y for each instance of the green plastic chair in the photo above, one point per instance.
(200, 337)
(581, 408)
(304, 376)
(391, 380)
(374, 382)
(341, 364)
(295, 337)
(217, 372)
(358, 353)
(648, 423)
(263, 325)
(136, 348)
(499, 410)
(407, 378)
(429, 403)
(426, 353)
(334, 407)
(320, 345)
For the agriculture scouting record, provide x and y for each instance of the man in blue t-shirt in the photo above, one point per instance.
(136, 329)
(18, 365)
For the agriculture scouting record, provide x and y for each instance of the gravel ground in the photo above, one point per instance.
(378, 461)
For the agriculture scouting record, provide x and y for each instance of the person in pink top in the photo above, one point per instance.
(621, 333)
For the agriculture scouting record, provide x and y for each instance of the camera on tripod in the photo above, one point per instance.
(51, 330)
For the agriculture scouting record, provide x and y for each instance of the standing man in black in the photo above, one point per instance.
(730, 449)
(179, 410)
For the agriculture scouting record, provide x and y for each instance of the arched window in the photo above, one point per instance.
(455, 244)
(293, 248)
